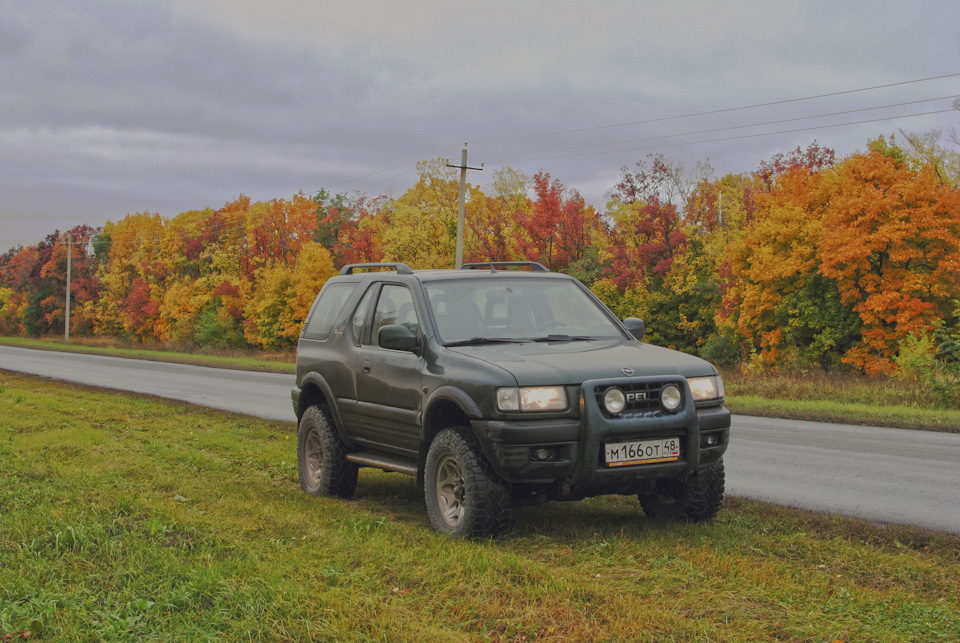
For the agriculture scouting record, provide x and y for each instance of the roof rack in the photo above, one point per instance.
(400, 268)
(533, 265)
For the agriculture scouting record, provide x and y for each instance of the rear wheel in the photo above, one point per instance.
(696, 498)
(322, 458)
(464, 497)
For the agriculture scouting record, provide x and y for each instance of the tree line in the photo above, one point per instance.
(809, 260)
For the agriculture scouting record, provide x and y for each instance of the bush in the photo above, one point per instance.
(933, 359)
(211, 330)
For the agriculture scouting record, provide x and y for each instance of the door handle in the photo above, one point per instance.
(365, 366)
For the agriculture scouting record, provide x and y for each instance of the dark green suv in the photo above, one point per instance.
(500, 385)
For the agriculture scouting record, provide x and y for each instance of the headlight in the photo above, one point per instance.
(706, 388)
(532, 398)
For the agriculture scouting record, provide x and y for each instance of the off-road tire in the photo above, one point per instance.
(464, 497)
(695, 498)
(322, 458)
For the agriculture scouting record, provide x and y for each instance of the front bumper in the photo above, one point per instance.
(577, 443)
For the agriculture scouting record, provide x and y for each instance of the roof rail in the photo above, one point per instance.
(401, 268)
(533, 265)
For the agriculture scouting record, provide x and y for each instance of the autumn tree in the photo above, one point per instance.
(282, 300)
(812, 160)
(132, 280)
(558, 228)
(84, 284)
(892, 244)
(924, 150)
(348, 227)
(494, 232)
(19, 276)
(277, 229)
(647, 208)
(727, 202)
(644, 238)
(422, 227)
(773, 288)
(363, 242)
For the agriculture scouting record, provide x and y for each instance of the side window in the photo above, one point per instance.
(360, 314)
(327, 309)
(395, 306)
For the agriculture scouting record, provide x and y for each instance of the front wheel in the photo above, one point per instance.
(464, 497)
(695, 498)
(322, 458)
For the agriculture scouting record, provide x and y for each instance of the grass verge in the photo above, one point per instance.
(899, 416)
(128, 518)
(841, 397)
(239, 359)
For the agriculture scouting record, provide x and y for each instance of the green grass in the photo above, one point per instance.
(275, 362)
(841, 397)
(127, 518)
(899, 416)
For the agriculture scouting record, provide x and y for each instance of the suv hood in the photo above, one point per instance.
(573, 362)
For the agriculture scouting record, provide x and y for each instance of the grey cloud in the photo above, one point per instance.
(108, 108)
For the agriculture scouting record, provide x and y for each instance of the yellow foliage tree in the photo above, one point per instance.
(282, 300)
(423, 222)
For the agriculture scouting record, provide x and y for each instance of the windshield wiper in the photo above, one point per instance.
(563, 338)
(477, 341)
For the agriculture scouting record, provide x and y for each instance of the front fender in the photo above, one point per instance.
(449, 394)
(314, 389)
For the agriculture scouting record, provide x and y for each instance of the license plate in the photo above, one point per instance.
(620, 454)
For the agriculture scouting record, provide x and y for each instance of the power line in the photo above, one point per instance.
(241, 225)
(719, 129)
(399, 165)
(221, 227)
(717, 111)
(731, 138)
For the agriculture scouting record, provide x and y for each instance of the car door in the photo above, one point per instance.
(327, 349)
(344, 382)
(388, 381)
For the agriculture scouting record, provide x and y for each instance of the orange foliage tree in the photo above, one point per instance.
(892, 243)
(774, 291)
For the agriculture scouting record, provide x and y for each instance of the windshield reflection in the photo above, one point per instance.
(497, 310)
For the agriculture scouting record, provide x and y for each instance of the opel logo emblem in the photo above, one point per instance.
(627, 371)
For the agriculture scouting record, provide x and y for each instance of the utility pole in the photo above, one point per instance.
(463, 192)
(66, 326)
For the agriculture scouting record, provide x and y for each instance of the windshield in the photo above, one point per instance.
(497, 309)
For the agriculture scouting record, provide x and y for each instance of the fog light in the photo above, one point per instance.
(670, 397)
(542, 454)
(710, 440)
(614, 401)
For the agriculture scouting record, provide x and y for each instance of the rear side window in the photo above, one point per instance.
(327, 309)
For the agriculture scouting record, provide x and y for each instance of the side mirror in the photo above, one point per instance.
(398, 338)
(635, 326)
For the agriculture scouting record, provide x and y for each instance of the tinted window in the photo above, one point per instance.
(360, 314)
(395, 306)
(327, 309)
(521, 309)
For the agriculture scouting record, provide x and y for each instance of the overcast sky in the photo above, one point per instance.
(111, 108)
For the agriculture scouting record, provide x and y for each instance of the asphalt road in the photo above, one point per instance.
(885, 475)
